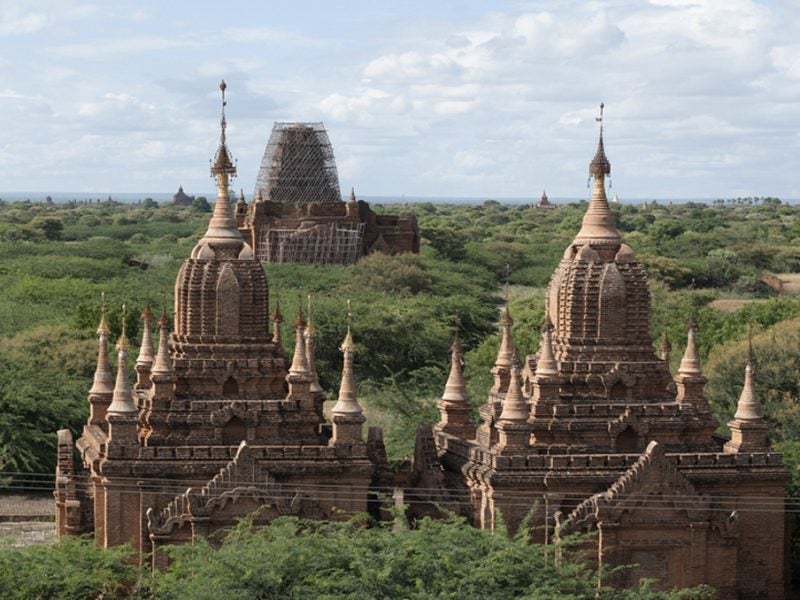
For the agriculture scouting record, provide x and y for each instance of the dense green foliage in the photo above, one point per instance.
(56, 260)
(336, 561)
(74, 569)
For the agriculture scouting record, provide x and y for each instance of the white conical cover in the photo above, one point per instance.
(749, 406)
(103, 382)
(347, 404)
(299, 359)
(145, 358)
(163, 362)
(277, 319)
(455, 390)
(690, 363)
(222, 228)
(311, 361)
(122, 400)
(506, 353)
(546, 365)
(599, 224)
(514, 406)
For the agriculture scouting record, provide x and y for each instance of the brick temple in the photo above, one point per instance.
(594, 434)
(591, 434)
(219, 423)
(297, 214)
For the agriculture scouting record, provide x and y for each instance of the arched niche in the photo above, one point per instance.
(228, 303)
(234, 431)
(230, 389)
(618, 392)
(628, 441)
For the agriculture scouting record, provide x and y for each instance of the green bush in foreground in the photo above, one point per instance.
(294, 558)
(302, 559)
(72, 569)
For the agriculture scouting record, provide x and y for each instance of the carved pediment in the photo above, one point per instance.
(652, 481)
(239, 481)
(235, 409)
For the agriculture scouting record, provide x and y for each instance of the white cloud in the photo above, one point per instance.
(18, 21)
(252, 35)
(496, 100)
(116, 47)
(787, 60)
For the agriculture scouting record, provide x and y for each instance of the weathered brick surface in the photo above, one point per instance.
(617, 445)
(223, 427)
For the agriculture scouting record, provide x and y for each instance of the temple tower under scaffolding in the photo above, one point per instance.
(297, 214)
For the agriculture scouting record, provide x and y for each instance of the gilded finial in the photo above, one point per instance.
(223, 164)
(600, 165)
(223, 86)
(102, 328)
(122, 343)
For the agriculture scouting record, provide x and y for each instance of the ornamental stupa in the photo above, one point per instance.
(220, 423)
(602, 437)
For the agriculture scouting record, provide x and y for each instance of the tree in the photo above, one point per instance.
(74, 568)
(50, 227)
(293, 558)
(200, 204)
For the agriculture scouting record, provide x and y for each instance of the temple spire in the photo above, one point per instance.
(514, 405)
(690, 363)
(144, 361)
(749, 406)
(163, 362)
(599, 225)
(547, 365)
(122, 400)
(506, 353)
(347, 403)
(666, 347)
(309, 336)
(299, 361)
(103, 383)
(455, 390)
(277, 319)
(748, 427)
(222, 229)
(454, 409)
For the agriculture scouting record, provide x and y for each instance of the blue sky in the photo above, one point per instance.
(423, 98)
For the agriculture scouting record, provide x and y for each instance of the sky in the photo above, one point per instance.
(444, 98)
